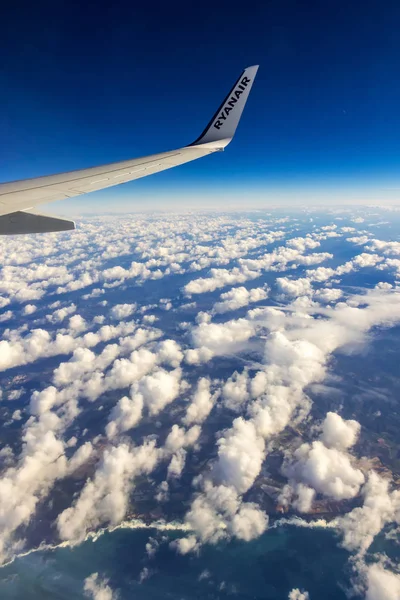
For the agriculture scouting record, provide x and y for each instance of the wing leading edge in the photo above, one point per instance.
(20, 196)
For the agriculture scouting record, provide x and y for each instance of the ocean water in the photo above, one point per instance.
(285, 557)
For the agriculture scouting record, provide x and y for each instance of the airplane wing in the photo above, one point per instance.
(18, 197)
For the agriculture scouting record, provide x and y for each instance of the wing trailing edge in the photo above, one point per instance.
(20, 222)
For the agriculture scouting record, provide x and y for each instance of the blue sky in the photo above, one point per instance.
(84, 85)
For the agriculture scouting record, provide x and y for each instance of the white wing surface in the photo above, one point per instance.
(18, 197)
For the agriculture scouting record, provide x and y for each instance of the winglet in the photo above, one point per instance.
(221, 129)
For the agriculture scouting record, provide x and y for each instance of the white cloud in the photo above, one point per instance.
(187, 544)
(202, 403)
(97, 588)
(125, 415)
(359, 240)
(180, 438)
(42, 461)
(122, 311)
(159, 389)
(169, 352)
(125, 371)
(327, 295)
(220, 278)
(39, 343)
(104, 499)
(239, 297)
(82, 361)
(321, 274)
(177, 464)
(302, 244)
(77, 323)
(16, 416)
(303, 497)
(382, 584)
(363, 260)
(29, 309)
(386, 248)
(235, 391)
(296, 594)
(240, 455)
(80, 457)
(60, 314)
(326, 470)
(296, 353)
(298, 341)
(338, 433)
(219, 512)
(249, 522)
(294, 287)
(6, 316)
(362, 524)
(222, 338)
(42, 402)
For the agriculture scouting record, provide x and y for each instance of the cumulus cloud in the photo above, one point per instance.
(122, 311)
(169, 352)
(60, 314)
(297, 342)
(6, 316)
(186, 545)
(294, 287)
(80, 457)
(302, 244)
(125, 372)
(296, 594)
(296, 353)
(81, 362)
(362, 524)
(42, 402)
(159, 389)
(249, 522)
(339, 433)
(240, 455)
(177, 464)
(324, 466)
(104, 499)
(22, 486)
(97, 588)
(220, 338)
(219, 512)
(39, 343)
(201, 404)
(235, 391)
(327, 295)
(77, 323)
(326, 470)
(29, 309)
(385, 247)
(180, 438)
(125, 415)
(381, 583)
(361, 261)
(220, 278)
(239, 297)
(303, 496)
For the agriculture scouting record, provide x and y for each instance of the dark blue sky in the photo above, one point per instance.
(89, 83)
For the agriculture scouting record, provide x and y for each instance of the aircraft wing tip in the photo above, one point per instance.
(221, 129)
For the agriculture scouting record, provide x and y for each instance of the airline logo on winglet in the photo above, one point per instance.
(230, 104)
